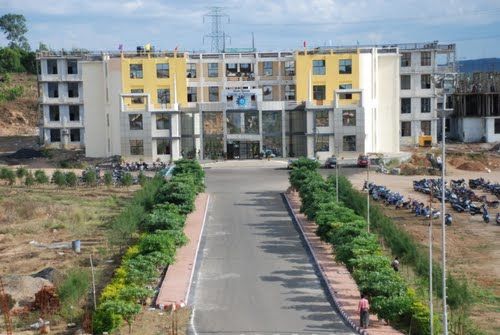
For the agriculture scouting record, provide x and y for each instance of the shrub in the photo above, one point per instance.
(21, 172)
(8, 175)
(108, 178)
(89, 177)
(41, 177)
(74, 286)
(112, 313)
(127, 179)
(180, 191)
(29, 180)
(70, 179)
(164, 217)
(141, 178)
(58, 178)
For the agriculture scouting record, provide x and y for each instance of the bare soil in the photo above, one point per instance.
(473, 247)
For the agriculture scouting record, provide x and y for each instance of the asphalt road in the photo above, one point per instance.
(254, 275)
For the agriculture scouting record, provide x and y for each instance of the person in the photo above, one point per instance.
(395, 264)
(363, 310)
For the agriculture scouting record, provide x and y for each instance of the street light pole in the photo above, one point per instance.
(368, 193)
(443, 223)
(431, 305)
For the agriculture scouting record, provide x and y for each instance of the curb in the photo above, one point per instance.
(324, 278)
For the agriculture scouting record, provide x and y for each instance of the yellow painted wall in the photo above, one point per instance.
(150, 83)
(332, 79)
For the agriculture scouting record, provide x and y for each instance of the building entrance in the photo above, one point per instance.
(243, 149)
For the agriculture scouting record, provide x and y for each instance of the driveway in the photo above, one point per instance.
(254, 275)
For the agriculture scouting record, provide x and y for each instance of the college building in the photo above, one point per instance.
(166, 105)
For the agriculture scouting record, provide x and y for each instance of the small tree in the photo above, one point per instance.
(90, 177)
(3, 173)
(142, 178)
(127, 179)
(58, 178)
(108, 178)
(21, 172)
(41, 177)
(10, 176)
(71, 179)
(29, 180)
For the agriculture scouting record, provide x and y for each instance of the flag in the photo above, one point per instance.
(120, 47)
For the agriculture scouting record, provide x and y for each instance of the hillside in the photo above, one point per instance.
(20, 116)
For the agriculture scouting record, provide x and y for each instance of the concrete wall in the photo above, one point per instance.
(490, 130)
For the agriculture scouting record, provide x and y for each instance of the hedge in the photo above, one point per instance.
(343, 227)
(158, 211)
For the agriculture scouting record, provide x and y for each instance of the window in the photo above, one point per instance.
(322, 143)
(267, 93)
(192, 95)
(74, 113)
(136, 147)
(405, 128)
(405, 82)
(135, 121)
(72, 90)
(345, 87)
(425, 127)
(51, 66)
(213, 70)
(321, 118)
(162, 70)
(136, 71)
(268, 68)
(72, 66)
(74, 135)
(425, 105)
(213, 93)
(162, 121)
(163, 95)
(231, 69)
(425, 81)
(405, 59)
(319, 92)
(345, 66)
(349, 118)
(191, 70)
(54, 113)
(405, 105)
(53, 89)
(163, 146)
(55, 135)
(497, 126)
(246, 68)
(425, 58)
(137, 100)
(349, 143)
(319, 67)
(290, 92)
(290, 68)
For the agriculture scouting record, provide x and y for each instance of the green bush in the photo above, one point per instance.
(41, 177)
(8, 175)
(108, 178)
(193, 168)
(21, 172)
(89, 177)
(58, 178)
(111, 314)
(74, 286)
(164, 217)
(180, 191)
(29, 180)
(127, 179)
(141, 178)
(71, 179)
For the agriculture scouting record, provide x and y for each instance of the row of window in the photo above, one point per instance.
(425, 81)
(71, 66)
(322, 119)
(136, 123)
(319, 91)
(55, 135)
(55, 115)
(53, 90)
(425, 105)
(163, 147)
(322, 143)
(425, 128)
(425, 59)
(319, 67)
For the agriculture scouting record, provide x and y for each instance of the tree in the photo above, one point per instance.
(21, 172)
(90, 177)
(14, 27)
(41, 177)
(71, 179)
(29, 180)
(142, 178)
(127, 179)
(58, 178)
(108, 178)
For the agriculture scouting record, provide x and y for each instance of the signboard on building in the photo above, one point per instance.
(242, 98)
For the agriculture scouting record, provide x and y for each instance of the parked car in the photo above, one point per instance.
(331, 163)
(362, 161)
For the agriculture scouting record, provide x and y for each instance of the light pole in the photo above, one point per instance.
(431, 305)
(368, 192)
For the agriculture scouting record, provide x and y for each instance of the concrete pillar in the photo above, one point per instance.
(261, 142)
(283, 133)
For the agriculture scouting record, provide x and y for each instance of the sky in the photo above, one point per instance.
(276, 24)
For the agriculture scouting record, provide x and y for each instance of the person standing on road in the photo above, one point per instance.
(395, 264)
(363, 310)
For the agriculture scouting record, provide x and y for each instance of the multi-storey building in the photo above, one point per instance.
(309, 102)
(61, 100)
(420, 98)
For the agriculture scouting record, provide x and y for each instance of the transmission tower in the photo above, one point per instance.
(217, 35)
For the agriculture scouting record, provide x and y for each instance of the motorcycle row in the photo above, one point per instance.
(389, 198)
(461, 198)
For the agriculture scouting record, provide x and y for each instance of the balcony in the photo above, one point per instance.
(60, 100)
(59, 77)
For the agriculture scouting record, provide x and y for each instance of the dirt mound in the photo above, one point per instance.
(472, 166)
